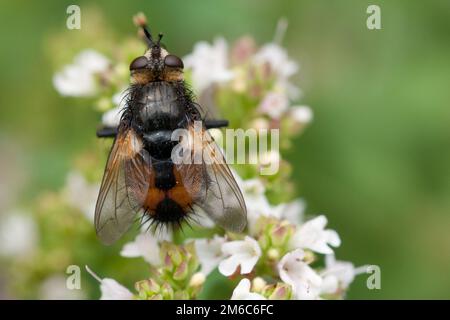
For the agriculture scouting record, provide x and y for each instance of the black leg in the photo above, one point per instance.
(210, 124)
(108, 132)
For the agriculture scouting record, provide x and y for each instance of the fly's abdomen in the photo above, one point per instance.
(159, 144)
(167, 198)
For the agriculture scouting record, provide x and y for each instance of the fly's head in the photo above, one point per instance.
(156, 64)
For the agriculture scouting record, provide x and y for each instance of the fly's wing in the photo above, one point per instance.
(211, 184)
(124, 186)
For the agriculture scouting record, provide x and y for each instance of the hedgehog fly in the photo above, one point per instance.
(141, 178)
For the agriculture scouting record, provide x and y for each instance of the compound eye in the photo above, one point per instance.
(138, 63)
(173, 61)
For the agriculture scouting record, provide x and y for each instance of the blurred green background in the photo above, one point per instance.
(376, 159)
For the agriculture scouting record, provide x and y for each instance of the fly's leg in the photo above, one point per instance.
(111, 132)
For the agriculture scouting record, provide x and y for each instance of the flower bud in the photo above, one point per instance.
(181, 295)
(181, 271)
(191, 257)
(281, 234)
(171, 254)
(282, 291)
(149, 285)
(140, 19)
(268, 290)
(147, 288)
(258, 284)
(197, 280)
(167, 291)
(273, 254)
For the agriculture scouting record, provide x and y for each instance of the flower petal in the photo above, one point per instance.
(145, 245)
(228, 266)
(242, 292)
(306, 283)
(209, 252)
(248, 264)
(112, 290)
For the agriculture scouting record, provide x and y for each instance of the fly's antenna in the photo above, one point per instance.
(160, 35)
(141, 21)
(148, 36)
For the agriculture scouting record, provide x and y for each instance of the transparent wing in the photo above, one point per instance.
(124, 186)
(211, 184)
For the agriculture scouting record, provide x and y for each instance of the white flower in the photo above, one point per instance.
(281, 66)
(209, 64)
(145, 245)
(77, 79)
(291, 211)
(242, 292)
(80, 194)
(256, 202)
(255, 198)
(209, 252)
(92, 60)
(277, 57)
(300, 114)
(258, 205)
(244, 253)
(74, 81)
(338, 274)
(55, 288)
(18, 234)
(305, 282)
(312, 235)
(111, 118)
(111, 289)
(274, 104)
(120, 98)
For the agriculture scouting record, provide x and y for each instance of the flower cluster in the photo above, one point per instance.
(279, 255)
(252, 88)
(173, 271)
(273, 259)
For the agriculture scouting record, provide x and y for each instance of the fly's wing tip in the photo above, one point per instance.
(106, 241)
(235, 222)
(107, 236)
(241, 226)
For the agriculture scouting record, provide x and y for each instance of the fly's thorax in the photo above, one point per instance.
(156, 65)
(159, 106)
